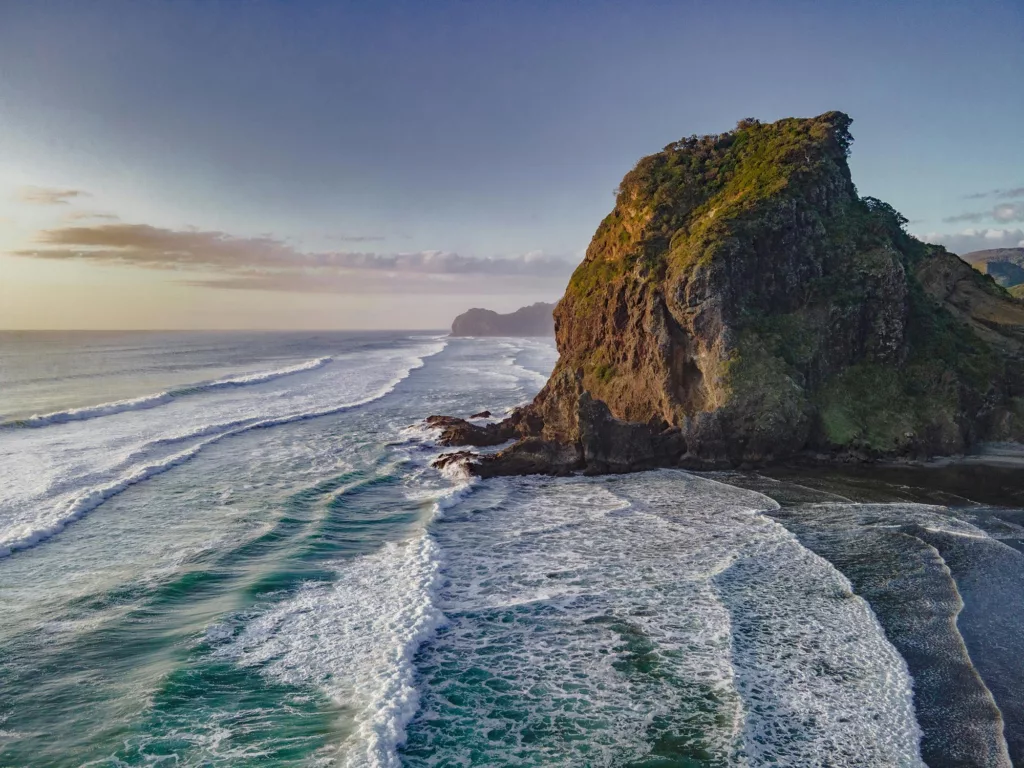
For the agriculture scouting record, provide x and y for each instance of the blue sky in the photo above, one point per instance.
(445, 154)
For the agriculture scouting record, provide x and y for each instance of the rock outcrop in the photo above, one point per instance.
(742, 304)
(534, 320)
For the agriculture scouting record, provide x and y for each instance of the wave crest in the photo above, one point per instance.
(162, 398)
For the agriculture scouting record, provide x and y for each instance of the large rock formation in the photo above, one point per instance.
(534, 320)
(743, 304)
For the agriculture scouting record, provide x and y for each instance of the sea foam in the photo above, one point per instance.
(355, 638)
(595, 622)
(162, 398)
(69, 507)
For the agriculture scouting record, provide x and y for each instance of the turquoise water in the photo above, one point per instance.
(117, 611)
(231, 550)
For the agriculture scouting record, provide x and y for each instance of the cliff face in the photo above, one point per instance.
(742, 303)
(534, 320)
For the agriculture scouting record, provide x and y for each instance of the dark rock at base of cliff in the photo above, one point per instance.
(456, 431)
(609, 445)
(606, 445)
(454, 459)
(530, 456)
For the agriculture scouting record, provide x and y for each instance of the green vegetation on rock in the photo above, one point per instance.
(743, 303)
(744, 292)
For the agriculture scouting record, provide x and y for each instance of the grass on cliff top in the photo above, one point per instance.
(683, 199)
(1017, 291)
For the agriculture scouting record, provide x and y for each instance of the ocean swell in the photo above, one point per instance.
(73, 506)
(162, 398)
(356, 637)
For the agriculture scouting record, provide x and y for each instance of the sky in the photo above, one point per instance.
(383, 164)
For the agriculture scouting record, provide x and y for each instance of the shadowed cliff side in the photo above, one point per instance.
(742, 304)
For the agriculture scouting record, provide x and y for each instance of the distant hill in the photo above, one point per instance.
(1005, 265)
(1018, 291)
(534, 320)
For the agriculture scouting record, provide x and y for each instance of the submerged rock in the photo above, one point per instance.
(742, 304)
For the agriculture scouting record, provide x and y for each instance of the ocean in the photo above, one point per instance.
(230, 549)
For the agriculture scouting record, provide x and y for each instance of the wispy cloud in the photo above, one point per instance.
(1005, 194)
(356, 238)
(49, 195)
(267, 263)
(370, 282)
(1004, 213)
(1007, 212)
(91, 216)
(969, 240)
(960, 217)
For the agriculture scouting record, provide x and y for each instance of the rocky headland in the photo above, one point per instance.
(534, 320)
(744, 305)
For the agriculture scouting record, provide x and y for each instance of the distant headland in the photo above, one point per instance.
(534, 320)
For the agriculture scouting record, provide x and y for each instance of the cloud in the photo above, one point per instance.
(975, 217)
(49, 195)
(1004, 213)
(357, 238)
(1005, 194)
(368, 282)
(969, 240)
(91, 215)
(1007, 212)
(267, 263)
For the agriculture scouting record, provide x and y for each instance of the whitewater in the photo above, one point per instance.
(232, 550)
